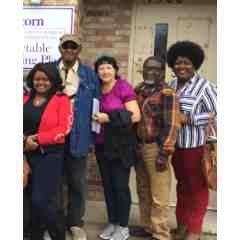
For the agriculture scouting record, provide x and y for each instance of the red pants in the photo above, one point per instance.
(192, 190)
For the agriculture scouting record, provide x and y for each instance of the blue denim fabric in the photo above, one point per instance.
(81, 136)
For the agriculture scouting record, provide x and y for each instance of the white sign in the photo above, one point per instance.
(43, 26)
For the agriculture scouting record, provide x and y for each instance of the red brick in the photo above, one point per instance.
(89, 32)
(123, 32)
(121, 45)
(95, 38)
(104, 44)
(113, 38)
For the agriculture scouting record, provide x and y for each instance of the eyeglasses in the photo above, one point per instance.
(69, 45)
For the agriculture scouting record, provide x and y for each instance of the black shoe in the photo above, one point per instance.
(36, 236)
(137, 231)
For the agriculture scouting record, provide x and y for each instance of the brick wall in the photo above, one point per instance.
(107, 28)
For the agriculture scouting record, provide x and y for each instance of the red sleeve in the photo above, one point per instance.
(57, 135)
(25, 98)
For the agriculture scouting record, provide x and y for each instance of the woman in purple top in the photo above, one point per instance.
(118, 99)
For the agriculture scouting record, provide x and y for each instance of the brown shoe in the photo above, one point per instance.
(179, 233)
(193, 236)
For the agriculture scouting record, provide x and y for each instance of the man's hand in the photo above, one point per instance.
(161, 165)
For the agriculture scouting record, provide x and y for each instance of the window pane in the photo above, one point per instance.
(161, 34)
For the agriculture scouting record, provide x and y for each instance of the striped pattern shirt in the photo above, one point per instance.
(197, 99)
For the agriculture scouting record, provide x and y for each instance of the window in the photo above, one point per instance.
(161, 34)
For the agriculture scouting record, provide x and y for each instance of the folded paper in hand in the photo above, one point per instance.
(96, 108)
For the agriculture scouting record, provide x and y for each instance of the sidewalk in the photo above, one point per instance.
(93, 229)
(96, 218)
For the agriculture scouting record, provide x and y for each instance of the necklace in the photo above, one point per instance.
(38, 101)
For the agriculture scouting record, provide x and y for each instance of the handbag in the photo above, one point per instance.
(209, 160)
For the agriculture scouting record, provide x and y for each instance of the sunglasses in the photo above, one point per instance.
(69, 45)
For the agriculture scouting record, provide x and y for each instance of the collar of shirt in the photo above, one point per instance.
(148, 90)
(70, 78)
(73, 68)
(173, 84)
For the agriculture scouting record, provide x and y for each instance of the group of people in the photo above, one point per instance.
(148, 127)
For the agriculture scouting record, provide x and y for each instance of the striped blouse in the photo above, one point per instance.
(197, 99)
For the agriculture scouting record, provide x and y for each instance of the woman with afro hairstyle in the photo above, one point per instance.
(47, 119)
(197, 97)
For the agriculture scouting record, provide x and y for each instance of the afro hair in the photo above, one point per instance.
(188, 49)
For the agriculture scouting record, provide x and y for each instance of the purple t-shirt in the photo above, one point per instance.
(121, 93)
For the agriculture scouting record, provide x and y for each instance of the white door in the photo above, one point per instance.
(195, 22)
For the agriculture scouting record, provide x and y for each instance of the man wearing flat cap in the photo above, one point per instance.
(82, 86)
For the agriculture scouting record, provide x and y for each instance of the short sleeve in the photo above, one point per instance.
(127, 92)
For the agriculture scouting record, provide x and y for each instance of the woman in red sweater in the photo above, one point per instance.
(47, 119)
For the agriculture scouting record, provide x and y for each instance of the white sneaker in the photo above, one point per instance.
(78, 233)
(108, 231)
(121, 233)
(46, 236)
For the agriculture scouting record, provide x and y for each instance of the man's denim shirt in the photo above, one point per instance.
(81, 135)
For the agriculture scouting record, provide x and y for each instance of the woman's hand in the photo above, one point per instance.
(31, 143)
(101, 117)
(212, 117)
(183, 118)
(132, 106)
(26, 171)
(168, 148)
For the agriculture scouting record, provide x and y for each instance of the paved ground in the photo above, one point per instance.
(93, 229)
(96, 218)
(96, 214)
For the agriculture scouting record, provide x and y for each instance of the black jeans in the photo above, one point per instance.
(26, 211)
(46, 178)
(75, 171)
(115, 178)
